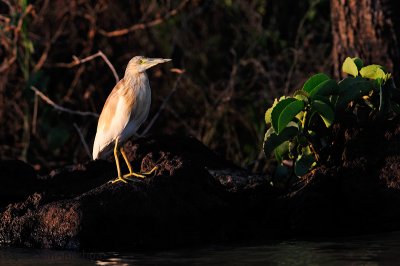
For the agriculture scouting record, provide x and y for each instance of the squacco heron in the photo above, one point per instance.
(126, 108)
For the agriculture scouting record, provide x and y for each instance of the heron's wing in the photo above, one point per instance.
(113, 119)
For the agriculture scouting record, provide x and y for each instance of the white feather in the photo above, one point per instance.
(127, 119)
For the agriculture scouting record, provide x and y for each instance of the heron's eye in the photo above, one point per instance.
(141, 61)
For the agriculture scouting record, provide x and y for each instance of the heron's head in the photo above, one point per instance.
(140, 64)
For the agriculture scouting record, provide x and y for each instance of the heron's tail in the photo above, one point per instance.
(95, 152)
(102, 152)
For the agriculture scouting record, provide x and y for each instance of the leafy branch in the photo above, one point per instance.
(300, 124)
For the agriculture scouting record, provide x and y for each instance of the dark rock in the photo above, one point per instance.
(197, 197)
(194, 197)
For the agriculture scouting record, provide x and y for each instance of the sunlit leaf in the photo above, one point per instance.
(350, 67)
(301, 95)
(300, 115)
(269, 111)
(281, 151)
(306, 150)
(373, 72)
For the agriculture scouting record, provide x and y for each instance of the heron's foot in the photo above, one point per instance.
(119, 179)
(151, 171)
(134, 175)
(141, 175)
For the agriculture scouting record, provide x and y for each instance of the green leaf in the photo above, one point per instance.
(300, 115)
(314, 81)
(301, 92)
(269, 111)
(351, 89)
(276, 111)
(288, 113)
(350, 67)
(306, 150)
(325, 111)
(303, 164)
(281, 151)
(301, 95)
(359, 63)
(324, 99)
(326, 87)
(373, 72)
(273, 140)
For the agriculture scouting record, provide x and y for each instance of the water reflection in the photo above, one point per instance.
(366, 250)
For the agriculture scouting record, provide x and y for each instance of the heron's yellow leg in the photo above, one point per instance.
(119, 178)
(151, 171)
(126, 160)
(131, 173)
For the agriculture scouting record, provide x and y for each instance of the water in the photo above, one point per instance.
(366, 250)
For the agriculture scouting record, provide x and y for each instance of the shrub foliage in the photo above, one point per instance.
(300, 125)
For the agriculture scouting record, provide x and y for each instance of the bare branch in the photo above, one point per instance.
(76, 61)
(61, 108)
(164, 104)
(142, 26)
(34, 116)
(48, 44)
(83, 141)
(7, 62)
(10, 7)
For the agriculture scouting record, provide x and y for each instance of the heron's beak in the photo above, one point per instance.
(150, 62)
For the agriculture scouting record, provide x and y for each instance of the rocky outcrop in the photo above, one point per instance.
(197, 197)
(194, 197)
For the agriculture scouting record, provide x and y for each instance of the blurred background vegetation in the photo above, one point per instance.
(237, 56)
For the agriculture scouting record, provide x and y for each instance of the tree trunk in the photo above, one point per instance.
(366, 29)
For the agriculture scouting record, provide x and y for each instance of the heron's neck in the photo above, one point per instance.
(137, 80)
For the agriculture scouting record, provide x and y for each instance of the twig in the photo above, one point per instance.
(10, 7)
(142, 26)
(61, 108)
(5, 19)
(34, 116)
(16, 30)
(175, 70)
(76, 61)
(47, 48)
(83, 141)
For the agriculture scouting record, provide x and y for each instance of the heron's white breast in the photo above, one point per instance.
(139, 111)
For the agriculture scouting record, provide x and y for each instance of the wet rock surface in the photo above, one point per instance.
(196, 197)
